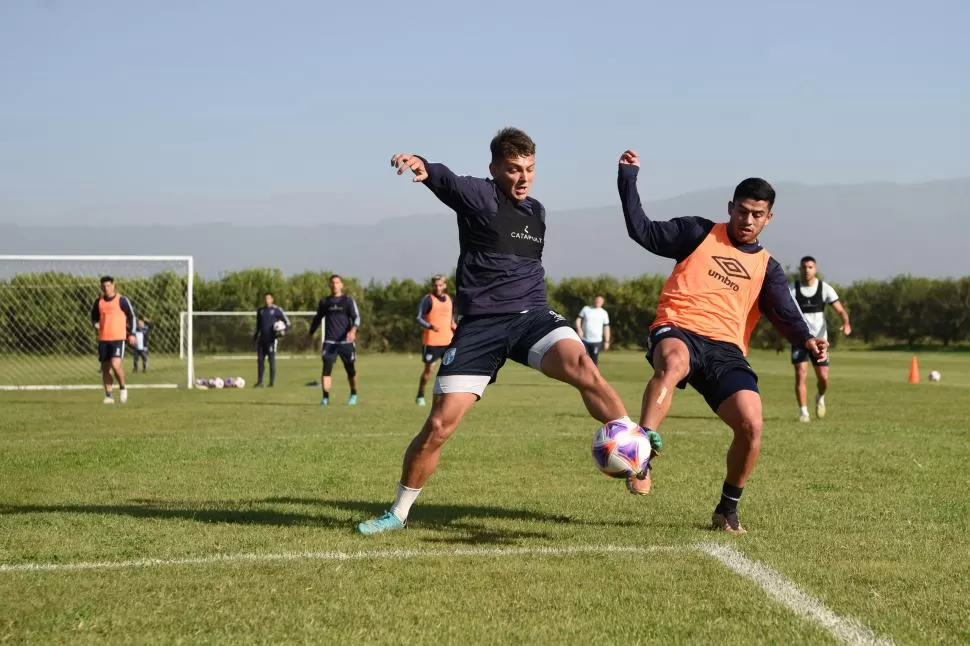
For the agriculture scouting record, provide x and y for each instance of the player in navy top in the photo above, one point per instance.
(502, 304)
(267, 337)
(341, 318)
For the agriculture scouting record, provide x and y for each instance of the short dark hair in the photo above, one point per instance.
(511, 142)
(332, 276)
(265, 294)
(107, 279)
(807, 259)
(755, 188)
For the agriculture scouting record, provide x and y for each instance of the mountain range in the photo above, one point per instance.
(855, 231)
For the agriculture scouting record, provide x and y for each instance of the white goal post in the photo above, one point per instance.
(229, 334)
(47, 336)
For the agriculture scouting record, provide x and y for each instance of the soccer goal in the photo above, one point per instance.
(48, 341)
(229, 335)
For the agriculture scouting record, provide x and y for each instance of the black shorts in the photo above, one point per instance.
(482, 344)
(432, 353)
(593, 347)
(108, 350)
(347, 352)
(717, 369)
(801, 355)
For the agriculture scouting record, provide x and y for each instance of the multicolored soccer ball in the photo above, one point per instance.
(238, 382)
(935, 375)
(279, 328)
(621, 448)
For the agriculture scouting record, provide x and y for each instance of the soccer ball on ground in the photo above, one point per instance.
(218, 382)
(279, 328)
(621, 448)
(934, 375)
(239, 382)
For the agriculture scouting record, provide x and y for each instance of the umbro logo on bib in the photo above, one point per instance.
(731, 267)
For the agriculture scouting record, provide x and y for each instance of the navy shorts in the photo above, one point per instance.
(717, 369)
(108, 350)
(347, 352)
(432, 353)
(801, 355)
(482, 344)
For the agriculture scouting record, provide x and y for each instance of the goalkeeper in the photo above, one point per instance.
(271, 324)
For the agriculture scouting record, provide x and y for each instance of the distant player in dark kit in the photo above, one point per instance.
(436, 315)
(341, 318)
(812, 295)
(502, 304)
(113, 316)
(141, 345)
(723, 281)
(267, 337)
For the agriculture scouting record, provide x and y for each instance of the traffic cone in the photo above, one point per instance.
(914, 371)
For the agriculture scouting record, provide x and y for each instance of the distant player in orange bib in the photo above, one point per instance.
(436, 315)
(113, 317)
(724, 280)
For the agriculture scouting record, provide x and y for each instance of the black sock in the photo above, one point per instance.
(122, 386)
(326, 393)
(421, 393)
(353, 391)
(730, 495)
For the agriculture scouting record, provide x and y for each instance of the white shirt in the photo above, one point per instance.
(594, 320)
(816, 320)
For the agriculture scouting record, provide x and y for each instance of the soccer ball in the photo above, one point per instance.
(935, 375)
(621, 448)
(239, 382)
(229, 382)
(218, 382)
(279, 328)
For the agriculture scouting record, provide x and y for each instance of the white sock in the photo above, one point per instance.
(403, 501)
(803, 410)
(819, 398)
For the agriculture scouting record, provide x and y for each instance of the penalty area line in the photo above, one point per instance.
(847, 631)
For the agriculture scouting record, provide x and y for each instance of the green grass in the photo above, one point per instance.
(867, 510)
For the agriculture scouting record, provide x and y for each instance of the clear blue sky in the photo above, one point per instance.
(107, 103)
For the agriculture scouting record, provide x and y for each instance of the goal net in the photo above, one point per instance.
(228, 336)
(48, 340)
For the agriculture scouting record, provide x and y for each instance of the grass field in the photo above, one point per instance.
(226, 516)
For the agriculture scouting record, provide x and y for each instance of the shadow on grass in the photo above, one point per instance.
(457, 524)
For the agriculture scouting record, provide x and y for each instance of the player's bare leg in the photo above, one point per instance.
(801, 394)
(423, 383)
(742, 412)
(822, 375)
(119, 372)
(568, 362)
(671, 364)
(107, 381)
(421, 459)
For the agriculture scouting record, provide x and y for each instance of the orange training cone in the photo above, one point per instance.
(914, 371)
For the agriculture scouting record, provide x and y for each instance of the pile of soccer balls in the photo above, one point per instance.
(219, 382)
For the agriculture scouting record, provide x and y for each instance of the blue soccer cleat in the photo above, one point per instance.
(420, 401)
(352, 401)
(386, 523)
(325, 401)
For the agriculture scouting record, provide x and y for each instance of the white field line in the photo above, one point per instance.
(847, 631)
(338, 556)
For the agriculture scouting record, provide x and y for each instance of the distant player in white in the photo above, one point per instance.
(812, 295)
(593, 327)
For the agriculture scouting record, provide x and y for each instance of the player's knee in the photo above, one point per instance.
(438, 429)
(674, 367)
(748, 431)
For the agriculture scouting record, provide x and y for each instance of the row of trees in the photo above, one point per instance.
(50, 312)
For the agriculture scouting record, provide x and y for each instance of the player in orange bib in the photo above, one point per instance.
(724, 280)
(113, 317)
(436, 314)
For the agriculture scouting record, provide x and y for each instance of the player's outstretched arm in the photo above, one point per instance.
(778, 305)
(675, 238)
(458, 193)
